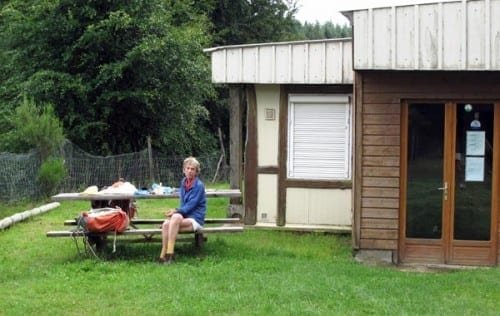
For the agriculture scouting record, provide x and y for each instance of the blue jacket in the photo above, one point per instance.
(193, 202)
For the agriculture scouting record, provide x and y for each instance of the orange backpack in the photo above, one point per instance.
(103, 220)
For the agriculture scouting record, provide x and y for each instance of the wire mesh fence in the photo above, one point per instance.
(18, 172)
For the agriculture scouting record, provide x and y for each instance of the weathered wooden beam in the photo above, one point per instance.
(11, 220)
(235, 139)
(147, 231)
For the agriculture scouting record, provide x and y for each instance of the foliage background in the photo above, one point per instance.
(115, 71)
(119, 71)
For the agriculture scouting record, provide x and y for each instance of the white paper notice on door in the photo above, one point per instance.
(474, 169)
(475, 143)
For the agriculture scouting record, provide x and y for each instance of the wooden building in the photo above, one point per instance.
(417, 90)
(427, 99)
(295, 99)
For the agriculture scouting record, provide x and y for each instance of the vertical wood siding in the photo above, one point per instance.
(455, 35)
(302, 62)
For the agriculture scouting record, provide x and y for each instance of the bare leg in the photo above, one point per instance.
(177, 223)
(164, 238)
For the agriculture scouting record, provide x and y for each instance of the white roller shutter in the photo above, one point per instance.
(319, 137)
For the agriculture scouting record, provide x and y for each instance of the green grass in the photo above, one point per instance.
(252, 273)
(10, 208)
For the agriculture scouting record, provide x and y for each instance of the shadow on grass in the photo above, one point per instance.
(216, 249)
(249, 245)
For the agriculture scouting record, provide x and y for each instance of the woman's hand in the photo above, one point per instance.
(170, 212)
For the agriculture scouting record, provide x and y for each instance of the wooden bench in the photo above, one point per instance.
(138, 221)
(225, 225)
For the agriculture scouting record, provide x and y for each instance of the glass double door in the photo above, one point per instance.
(448, 206)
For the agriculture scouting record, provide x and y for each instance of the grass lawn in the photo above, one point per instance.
(253, 273)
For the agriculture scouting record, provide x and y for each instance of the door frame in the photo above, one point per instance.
(446, 250)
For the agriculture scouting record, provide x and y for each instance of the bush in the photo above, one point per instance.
(51, 174)
(32, 125)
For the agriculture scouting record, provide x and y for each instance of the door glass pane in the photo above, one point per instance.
(473, 171)
(425, 171)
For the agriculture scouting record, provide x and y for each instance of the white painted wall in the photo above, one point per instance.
(268, 97)
(267, 201)
(304, 206)
(318, 206)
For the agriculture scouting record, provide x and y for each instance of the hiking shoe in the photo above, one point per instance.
(169, 259)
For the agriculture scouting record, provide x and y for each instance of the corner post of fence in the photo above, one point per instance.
(150, 158)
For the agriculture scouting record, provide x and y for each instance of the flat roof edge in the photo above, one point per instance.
(212, 49)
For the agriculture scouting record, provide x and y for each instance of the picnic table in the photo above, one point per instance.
(210, 193)
(144, 228)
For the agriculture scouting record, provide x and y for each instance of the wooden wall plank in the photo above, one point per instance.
(371, 212)
(358, 136)
(381, 182)
(381, 140)
(454, 85)
(250, 158)
(382, 108)
(381, 119)
(282, 155)
(236, 139)
(380, 161)
(380, 192)
(379, 202)
(379, 223)
(369, 150)
(379, 234)
(381, 130)
(380, 171)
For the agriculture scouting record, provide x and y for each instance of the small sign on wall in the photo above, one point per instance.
(270, 114)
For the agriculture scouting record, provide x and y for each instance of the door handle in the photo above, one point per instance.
(445, 190)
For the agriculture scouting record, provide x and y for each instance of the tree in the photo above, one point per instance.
(316, 30)
(116, 71)
(30, 126)
(253, 21)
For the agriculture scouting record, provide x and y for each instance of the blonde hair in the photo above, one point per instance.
(192, 162)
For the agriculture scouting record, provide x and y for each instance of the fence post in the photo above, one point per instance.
(150, 157)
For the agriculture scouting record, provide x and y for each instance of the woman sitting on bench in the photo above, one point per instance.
(190, 215)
